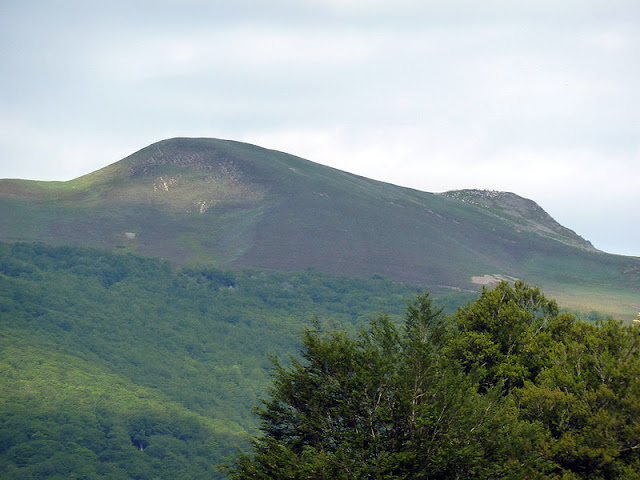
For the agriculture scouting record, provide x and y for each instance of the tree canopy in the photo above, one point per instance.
(507, 388)
(116, 366)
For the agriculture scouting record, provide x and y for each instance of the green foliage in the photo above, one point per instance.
(496, 333)
(507, 388)
(107, 354)
(588, 397)
(386, 404)
(120, 367)
(62, 417)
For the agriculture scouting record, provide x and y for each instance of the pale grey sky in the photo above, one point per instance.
(535, 97)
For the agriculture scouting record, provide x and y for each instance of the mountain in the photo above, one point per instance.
(233, 205)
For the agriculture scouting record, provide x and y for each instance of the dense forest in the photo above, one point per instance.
(123, 367)
(120, 366)
(506, 389)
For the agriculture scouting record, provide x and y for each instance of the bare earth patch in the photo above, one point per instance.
(492, 279)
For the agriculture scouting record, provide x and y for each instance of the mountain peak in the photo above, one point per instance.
(198, 155)
(181, 175)
(525, 214)
(194, 155)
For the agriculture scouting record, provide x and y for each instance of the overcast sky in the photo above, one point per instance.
(536, 97)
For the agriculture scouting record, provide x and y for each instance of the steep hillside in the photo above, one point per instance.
(229, 204)
(121, 367)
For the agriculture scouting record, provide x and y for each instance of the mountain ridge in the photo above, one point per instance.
(523, 211)
(235, 205)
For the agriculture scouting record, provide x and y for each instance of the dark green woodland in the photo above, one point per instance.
(120, 366)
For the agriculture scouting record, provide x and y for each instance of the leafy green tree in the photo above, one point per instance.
(576, 380)
(508, 387)
(496, 334)
(588, 399)
(386, 404)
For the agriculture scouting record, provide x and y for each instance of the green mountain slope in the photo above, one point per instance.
(234, 205)
(117, 366)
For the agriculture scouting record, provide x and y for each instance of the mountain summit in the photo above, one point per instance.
(235, 205)
(524, 213)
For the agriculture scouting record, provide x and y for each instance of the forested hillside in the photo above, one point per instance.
(507, 388)
(118, 366)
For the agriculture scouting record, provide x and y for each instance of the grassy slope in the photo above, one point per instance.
(236, 205)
